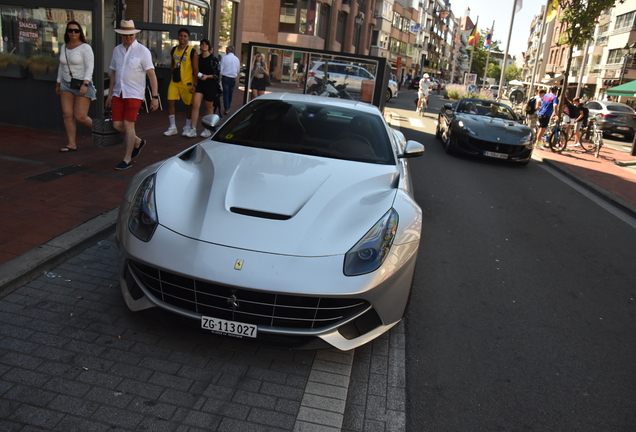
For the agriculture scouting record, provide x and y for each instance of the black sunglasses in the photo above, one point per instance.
(73, 30)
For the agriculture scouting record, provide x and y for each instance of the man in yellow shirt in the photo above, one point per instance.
(183, 83)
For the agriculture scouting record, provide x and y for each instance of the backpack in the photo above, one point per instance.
(531, 106)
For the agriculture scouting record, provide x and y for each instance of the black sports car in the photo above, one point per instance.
(484, 128)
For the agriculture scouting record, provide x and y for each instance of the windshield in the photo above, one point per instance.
(486, 108)
(306, 128)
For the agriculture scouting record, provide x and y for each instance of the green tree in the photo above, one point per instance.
(578, 18)
(513, 72)
(225, 32)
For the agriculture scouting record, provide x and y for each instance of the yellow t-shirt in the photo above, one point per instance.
(186, 64)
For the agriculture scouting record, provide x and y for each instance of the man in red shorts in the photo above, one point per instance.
(130, 64)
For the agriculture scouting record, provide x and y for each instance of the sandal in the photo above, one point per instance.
(67, 149)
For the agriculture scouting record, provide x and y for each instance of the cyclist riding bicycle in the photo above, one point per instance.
(423, 92)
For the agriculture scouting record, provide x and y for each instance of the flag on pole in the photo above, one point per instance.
(474, 36)
(552, 11)
(489, 37)
(518, 5)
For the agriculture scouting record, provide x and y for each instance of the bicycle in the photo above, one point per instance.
(558, 139)
(593, 138)
(423, 104)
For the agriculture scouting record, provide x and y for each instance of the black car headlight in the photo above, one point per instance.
(369, 253)
(527, 140)
(466, 128)
(143, 219)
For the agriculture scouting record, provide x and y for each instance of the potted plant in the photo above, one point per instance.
(12, 66)
(43, 67)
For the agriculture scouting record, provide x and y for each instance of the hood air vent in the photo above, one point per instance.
(259, 214)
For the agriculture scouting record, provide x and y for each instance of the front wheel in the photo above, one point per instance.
(598, 142)
(557, 142)
(389, 95)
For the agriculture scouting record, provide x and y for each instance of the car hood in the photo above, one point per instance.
(272, 201)
(495, 129)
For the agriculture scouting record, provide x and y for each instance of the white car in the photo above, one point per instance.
(349, 74)
(294, 224)
(392, 90)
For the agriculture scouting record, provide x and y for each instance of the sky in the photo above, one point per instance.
(501, 11)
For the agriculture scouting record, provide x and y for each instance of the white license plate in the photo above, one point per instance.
(496, 155)
(622, 128)
(225, 327)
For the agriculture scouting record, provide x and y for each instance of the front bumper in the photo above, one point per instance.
(477, 147)
(275, 292)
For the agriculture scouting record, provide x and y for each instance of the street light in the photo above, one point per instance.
(629, 50)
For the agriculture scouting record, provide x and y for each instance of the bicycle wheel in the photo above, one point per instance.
(556, 142)
(587, 142)
(598, 143)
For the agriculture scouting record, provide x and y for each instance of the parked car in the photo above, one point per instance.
(613, 117)
(392, 90)
(414, 84)
(484, 128)
(342, 73)
(295, 222)
(345, 73)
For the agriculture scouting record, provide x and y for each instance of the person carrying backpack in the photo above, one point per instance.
(531, 109)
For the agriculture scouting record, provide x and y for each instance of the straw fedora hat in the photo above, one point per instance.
(127, 27)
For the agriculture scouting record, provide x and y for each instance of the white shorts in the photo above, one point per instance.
(421, 94)
(567, 120)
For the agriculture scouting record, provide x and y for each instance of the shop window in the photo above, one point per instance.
(28, 32)
(182, 13)
(303, 17)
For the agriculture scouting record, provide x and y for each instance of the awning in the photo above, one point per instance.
(627, 89)
(554, 80)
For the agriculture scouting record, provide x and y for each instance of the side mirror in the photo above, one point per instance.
(412, 149)
(210, 121)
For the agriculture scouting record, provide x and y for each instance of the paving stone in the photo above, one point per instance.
(148, 407)
(225, 408)
(302, 426)
(329, 378)
(316, 416)
(115, 398)
(76, 424)
(233, 425)
(323, 403)
(35, 416)
(171, 381)
(26, 377)
(29, 395)
(282, 391)
(118, 417)
(326, 390)
(73, 405)
(203, 420)
(254, 399)
(271, 418)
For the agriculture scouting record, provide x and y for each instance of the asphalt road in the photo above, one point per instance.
(523, 312)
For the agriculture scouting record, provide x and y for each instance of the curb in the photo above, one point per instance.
(28, 266)
(602, 193)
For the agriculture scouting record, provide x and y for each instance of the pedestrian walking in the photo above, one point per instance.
(207, 86)
(75, 82)
(549, 104)
(184, 69)
(230, 68)
(130, 64)
(258, 83)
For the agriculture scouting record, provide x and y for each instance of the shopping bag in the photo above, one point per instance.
(104, 133)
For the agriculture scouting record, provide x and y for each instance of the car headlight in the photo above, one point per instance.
(527, 140)
(143, 219)
(369, 253)
(466, 128)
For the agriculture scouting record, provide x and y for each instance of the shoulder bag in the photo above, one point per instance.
(176, 72)
(76, 84)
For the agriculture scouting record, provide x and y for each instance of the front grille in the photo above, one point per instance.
(254, 307)
(509, 149)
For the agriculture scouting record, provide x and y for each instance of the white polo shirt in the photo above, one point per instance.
(130, 66)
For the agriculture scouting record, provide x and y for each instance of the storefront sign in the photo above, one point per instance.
(28, 34)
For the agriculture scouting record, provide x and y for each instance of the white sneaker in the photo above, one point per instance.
(206, 133)
(576, 145)
(186, 131)
(171, 131)
(192, 133)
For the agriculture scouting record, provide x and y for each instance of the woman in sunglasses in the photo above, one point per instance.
(74, 82)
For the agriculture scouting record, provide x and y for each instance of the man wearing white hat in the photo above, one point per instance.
(130, 64)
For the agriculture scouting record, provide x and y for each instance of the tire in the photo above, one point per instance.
(587, 143)
(599, 143)
(389, 94)
(438, 133)
(448, 148)
(556, 146)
